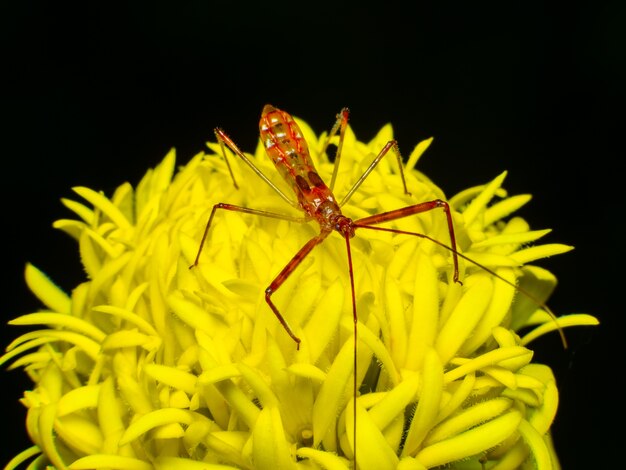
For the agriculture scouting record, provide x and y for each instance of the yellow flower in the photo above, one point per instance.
(150, 364)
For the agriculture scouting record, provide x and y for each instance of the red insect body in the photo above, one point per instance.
(286, 147)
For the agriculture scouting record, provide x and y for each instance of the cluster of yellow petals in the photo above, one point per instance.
(151, 365)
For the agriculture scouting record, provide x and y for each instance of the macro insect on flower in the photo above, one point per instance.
(150, 364)
(286, 147)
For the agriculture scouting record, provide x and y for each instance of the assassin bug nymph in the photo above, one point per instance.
(286, 147)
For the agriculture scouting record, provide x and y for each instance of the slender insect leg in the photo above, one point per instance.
(284, 275)
(223, 139)
(355, 355)
(230, 207)
(391, 145)
(341, 123)
(376, 219)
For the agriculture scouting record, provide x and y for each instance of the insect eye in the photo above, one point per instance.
(302, 184)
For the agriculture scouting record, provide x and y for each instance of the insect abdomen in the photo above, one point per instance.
(284, 142)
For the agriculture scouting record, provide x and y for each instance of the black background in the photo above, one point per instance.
(94, 96)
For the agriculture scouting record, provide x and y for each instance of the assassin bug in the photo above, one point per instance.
(286, 147)
(289, 152)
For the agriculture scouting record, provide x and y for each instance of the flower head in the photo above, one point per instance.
(150, 364)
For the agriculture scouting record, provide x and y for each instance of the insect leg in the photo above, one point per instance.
(282, 277)
(247, 210)
(391, 145)
(376, 219)
(223, 139)
(355, 319)
(341, 122)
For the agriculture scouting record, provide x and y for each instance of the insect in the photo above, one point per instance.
(286, 147)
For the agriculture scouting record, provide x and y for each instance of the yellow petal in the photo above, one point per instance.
(327, 460)
(153, 420)
(80, 210)
(538, 448)
(410, 463)
(394, 402)
(492, 357)
(77, 399)
(168, 463)
(79, 433)
(125, 339)
(511, 238)
(22, 457)
(504, 208)
(261, 388)
(417, 152)
(424, 325)
(110, 461)
(480, 202)
(534, 253)
(471, 442)
(332, 394)
(41, 285)
(175, 378)
(468, 418)
(128, 316)
(102, 203)
(429, 403)
(372, 449)
(61, 320)
(324, 321)
(465, 316)
(270, 447)
(565, 321)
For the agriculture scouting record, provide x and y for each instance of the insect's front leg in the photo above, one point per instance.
(391, 145)
(284, 275)
(368, 222)
(341, 123)
(222, 139)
